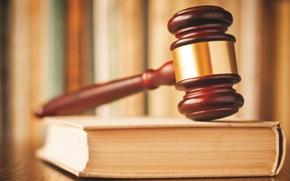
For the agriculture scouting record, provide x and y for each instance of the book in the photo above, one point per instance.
(282, 70)
(251, 60)
(87, 43)
(73, 57)
(56, 64)
(19, 68)
(101, 47)
(131, 59)
(4, 65)
(159, 41)
(36, 68)
(147, 147)
(119, 50)
(78, 44)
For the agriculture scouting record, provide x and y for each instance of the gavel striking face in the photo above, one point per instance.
(204, 66)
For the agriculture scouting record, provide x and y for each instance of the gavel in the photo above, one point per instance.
(204, 66)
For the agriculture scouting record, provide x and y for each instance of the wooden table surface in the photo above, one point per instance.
(18, 162)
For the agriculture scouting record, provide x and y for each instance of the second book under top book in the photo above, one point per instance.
(163, 148)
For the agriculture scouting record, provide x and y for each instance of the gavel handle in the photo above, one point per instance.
(99, 94)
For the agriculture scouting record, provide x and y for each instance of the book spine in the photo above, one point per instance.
(4, 65)
(87, 43)
(119, 49)
(250, 58)
(131, 60)
(282, 70)
(87, 46)
(56, 48)
(101, 48)
(74, 57)
(19, 69)
(39, 62)
(164, 100)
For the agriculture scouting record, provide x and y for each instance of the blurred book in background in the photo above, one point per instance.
(57, 46)
(163, 101)
(78, 44)
(37, 63)
(4, 67)
(19, 67)
(119, 34)
(281, 61)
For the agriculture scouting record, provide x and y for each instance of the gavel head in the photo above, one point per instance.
(204, 62)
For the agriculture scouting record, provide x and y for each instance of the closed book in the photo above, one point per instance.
(147, 147)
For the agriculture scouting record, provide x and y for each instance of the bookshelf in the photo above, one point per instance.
(33, 54)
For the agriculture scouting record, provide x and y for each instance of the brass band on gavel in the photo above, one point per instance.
(204, 58)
